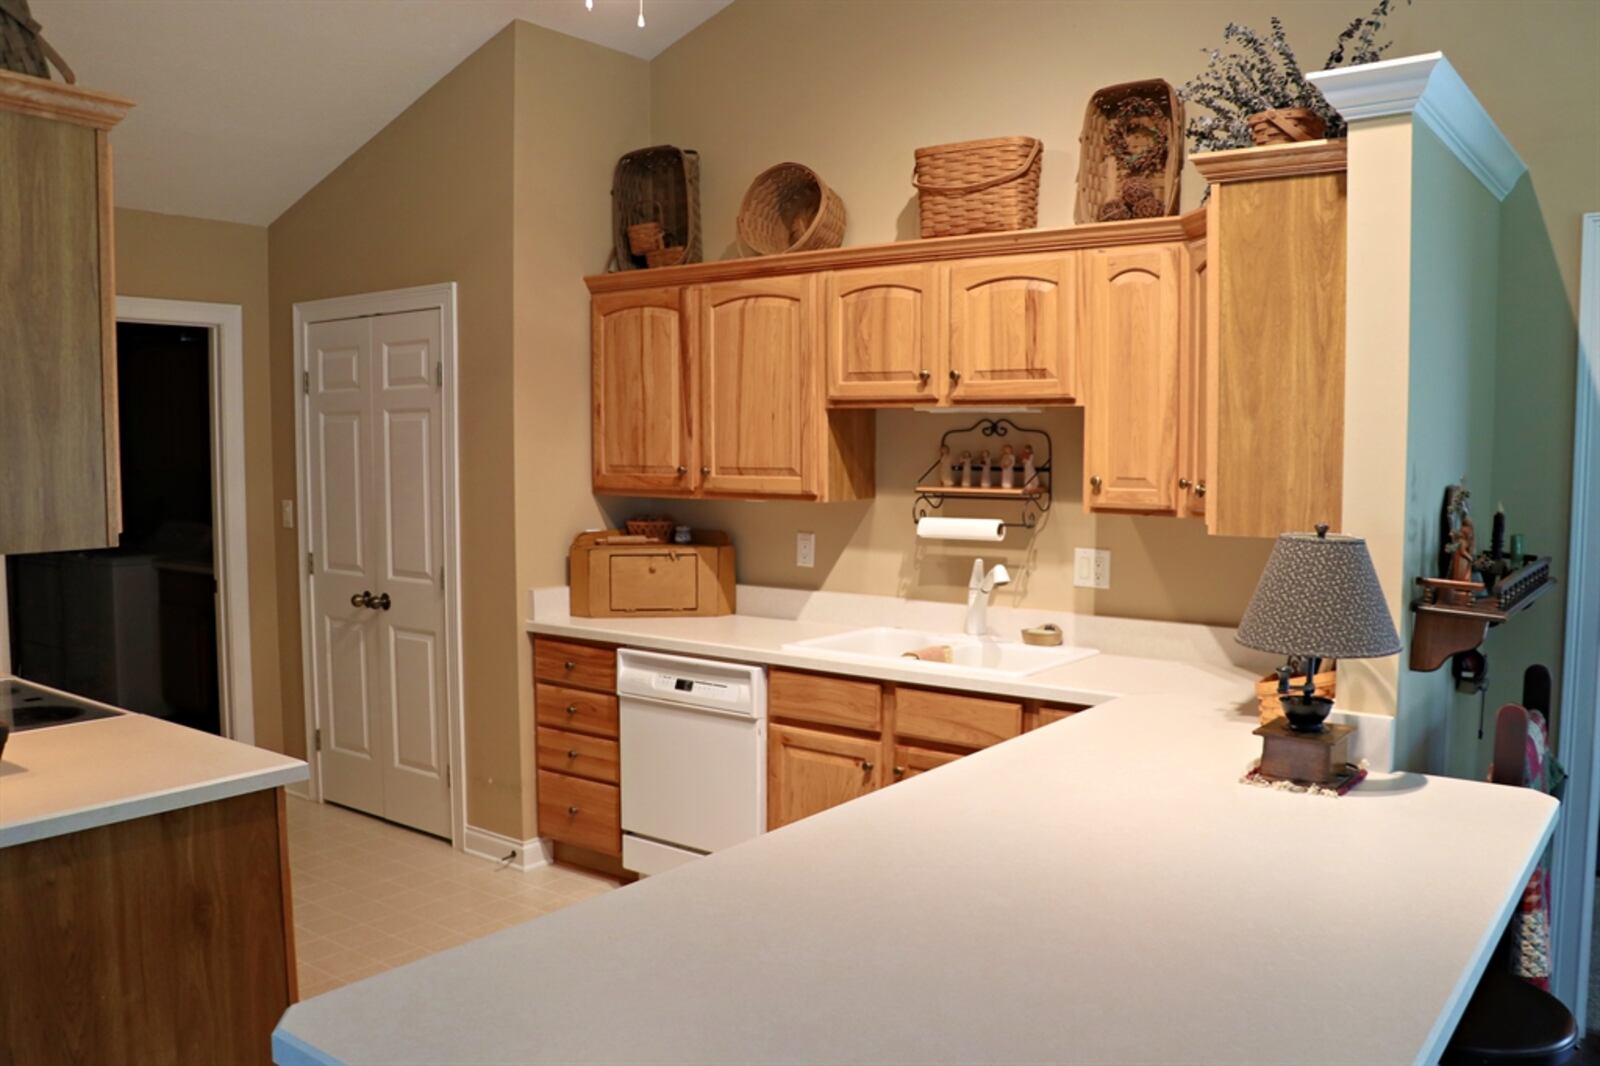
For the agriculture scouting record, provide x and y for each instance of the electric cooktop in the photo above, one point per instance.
(25, 706)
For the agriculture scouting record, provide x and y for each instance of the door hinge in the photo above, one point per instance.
(311, 562)
(305, 382)
(446, 775)
(441, 577)
(438, 374)
(316, 738)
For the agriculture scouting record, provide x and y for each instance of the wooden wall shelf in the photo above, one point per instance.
(1445, 629)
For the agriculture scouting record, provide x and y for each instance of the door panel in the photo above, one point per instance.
(757, 380)
(1010, 328)
(1131, 394)
(643, 393)
(809, 771)
(376, 460)
(883, 334)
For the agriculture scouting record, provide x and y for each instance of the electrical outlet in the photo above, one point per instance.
(1091, 568)
(287, 507)
(805, 549)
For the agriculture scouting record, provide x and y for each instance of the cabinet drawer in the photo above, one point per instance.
(943, 717)
(583, 665)
(571, 708)
(574, 753)
(909, 761)
(1055, 713)
(584, 813)
(824, 700)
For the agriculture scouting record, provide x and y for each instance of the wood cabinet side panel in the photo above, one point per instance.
(1278, 259)
(57, 371)
(162, 939)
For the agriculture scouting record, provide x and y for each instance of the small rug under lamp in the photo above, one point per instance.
(1318, 598)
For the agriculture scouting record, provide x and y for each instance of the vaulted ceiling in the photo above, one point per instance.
(244, 105)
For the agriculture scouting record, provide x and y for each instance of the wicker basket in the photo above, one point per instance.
(1101, 178)
(661, 185)
(978, 186)
(1267, 692)
(644, 238)
(664, 257)
(658, 528)
(788, 208)
(1285, 125)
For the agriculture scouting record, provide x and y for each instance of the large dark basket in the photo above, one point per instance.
(659, 184)
(22, 48)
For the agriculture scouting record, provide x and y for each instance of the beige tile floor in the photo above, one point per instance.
(369, 896)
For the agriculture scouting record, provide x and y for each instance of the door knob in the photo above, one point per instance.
(381, 603)
(1184, 483)
(1095, 482)
(361, 599)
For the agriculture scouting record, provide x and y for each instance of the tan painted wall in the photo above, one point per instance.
(427, 200)
(578, 108)
(175, 258)
(852, 89)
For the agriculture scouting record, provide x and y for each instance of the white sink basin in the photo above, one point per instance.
(977, 656)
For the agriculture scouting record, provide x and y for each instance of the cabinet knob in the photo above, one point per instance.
(866, 765)
(1095, 482)
(572, 753)
(572, 708)
(955, 377)
(923, 375)
(1200, 489)
(569, 665)
(1184, 483)
(572, 810)
(682, 470)
(705, 471)
(899, 771)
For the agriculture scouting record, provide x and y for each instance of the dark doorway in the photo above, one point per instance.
(136, 625)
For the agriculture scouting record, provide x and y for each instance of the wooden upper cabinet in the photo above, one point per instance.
(1131, 344)
(761, 411)
(60, 474)
(1196, 435)
(883, 335)
(809, 771)
(1010, 329)
(644, 393)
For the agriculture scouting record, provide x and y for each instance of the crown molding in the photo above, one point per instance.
(58, 100)
(1428, 88)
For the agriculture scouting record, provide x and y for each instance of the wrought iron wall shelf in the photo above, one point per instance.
(1033, 494)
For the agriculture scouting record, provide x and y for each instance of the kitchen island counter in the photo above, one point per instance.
(1102, 889)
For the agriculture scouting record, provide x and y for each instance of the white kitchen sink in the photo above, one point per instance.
(977, 656)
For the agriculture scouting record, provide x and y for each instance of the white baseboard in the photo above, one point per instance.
(526, 854)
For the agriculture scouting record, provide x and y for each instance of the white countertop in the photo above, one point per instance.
(1099, 890)
(82, 775)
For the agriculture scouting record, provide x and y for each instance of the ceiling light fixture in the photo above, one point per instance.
(588, 5)
(641, 14)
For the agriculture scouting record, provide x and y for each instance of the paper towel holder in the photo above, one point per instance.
(1032, 495)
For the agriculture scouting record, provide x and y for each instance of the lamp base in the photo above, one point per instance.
(1288, 754)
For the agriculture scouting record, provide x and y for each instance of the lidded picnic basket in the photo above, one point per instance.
(978, 186)
(789, 208)
(1130, 153)
(659, 185)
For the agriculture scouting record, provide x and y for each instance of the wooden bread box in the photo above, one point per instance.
(614, 575)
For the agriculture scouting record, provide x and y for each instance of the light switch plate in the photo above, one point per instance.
(1091, 568)
(805, 549)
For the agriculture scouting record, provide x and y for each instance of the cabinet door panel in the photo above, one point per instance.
(758, 380)
(883, 335)
(809, 771)
(910, 761)
(1131, 395)
(643, 393)
(1010, 329)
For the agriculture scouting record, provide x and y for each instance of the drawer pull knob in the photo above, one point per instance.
(572, 708)
(572, 810)
(866, 766)
(571, 754)
(569, 665)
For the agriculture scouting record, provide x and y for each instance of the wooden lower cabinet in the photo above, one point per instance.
(910, 761)
(163, 939)
(809, 771)
(582, 812)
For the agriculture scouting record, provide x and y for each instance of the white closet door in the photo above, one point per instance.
(345, 563)
(376, 458)
(409, 515)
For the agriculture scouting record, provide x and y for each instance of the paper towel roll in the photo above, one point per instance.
(934, 528)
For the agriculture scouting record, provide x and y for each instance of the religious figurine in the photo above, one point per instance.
(965, 463)
(1008, 467)
(947, 476)
(1028, 472)
(1461, 556)
(983, 473)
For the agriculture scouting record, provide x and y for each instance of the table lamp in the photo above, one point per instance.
(1318, 598)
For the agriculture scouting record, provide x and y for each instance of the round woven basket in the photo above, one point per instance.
(654, 527)
(1285, 125)
(788, 208)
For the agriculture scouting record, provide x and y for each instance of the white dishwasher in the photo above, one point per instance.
(694, 741)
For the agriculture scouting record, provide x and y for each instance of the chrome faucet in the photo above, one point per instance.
(978, 590)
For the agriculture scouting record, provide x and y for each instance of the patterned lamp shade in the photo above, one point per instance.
(1319, 596)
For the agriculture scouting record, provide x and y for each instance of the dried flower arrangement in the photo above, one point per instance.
(1261, 74)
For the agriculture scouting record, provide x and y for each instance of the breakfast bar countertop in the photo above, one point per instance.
(83, 775)
(1102, 889)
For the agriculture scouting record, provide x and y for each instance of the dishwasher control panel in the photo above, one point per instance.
(732, 688)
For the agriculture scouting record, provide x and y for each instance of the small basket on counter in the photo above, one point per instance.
(978, 186)
(658, 527)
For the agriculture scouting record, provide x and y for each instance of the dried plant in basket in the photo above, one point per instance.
(1257, 92)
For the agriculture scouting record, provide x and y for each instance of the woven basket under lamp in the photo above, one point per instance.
(1318, 598)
